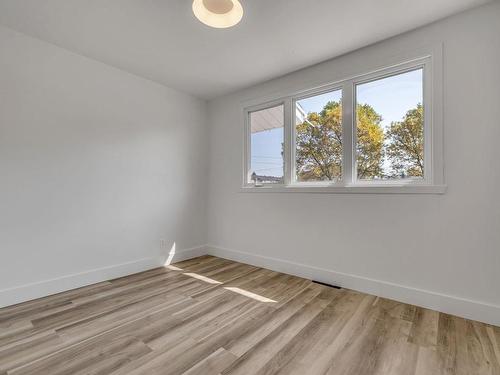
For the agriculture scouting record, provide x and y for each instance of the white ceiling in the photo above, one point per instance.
(162, 40)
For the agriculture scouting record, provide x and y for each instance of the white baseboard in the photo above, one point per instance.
(45, 288)
(27, 292)
(453, 305)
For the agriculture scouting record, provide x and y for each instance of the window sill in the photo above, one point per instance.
(358, 189)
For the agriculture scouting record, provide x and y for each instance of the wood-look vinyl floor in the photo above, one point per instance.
(213, 316)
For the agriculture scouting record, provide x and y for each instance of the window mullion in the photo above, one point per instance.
(288, 146)
(246, 149)
(347, 133)
(428, 133)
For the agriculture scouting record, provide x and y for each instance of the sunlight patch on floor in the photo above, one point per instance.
(202, 278)
(208, 280)
(246, 293)
(173, 268)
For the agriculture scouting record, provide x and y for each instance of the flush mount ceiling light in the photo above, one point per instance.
(218, 13)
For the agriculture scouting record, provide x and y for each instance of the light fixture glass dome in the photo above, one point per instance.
(218, 13)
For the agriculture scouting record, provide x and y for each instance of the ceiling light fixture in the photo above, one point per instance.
(218, 13)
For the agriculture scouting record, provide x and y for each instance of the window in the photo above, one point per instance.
(390, 127)
(378, 132)
(318, 137)
(266, 146)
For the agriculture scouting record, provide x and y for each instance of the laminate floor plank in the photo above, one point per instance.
(213, 364)
(312, 339)
(264, 350)
(213, 316)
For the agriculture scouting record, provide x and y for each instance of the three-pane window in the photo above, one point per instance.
(372, 130)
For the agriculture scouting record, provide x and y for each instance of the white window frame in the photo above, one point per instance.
(424, 65)
(293, 159)
(433, 181)
(248, 142)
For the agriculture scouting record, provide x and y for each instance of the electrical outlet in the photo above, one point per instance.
(163, 244)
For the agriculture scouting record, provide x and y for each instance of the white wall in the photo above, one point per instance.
(440, 251)
(96, 167)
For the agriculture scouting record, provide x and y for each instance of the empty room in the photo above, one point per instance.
(249, 187)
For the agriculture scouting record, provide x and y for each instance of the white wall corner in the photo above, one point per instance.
(174, 255)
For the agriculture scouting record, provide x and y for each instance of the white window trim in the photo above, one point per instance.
(433, 181)
(248, 136)
(293, 178)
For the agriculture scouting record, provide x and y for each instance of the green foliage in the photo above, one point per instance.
(370, 143)
(319, 144)
(406, 144)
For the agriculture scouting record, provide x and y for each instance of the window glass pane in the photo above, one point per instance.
(318, 137)
(390, 128)
(266, 154)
